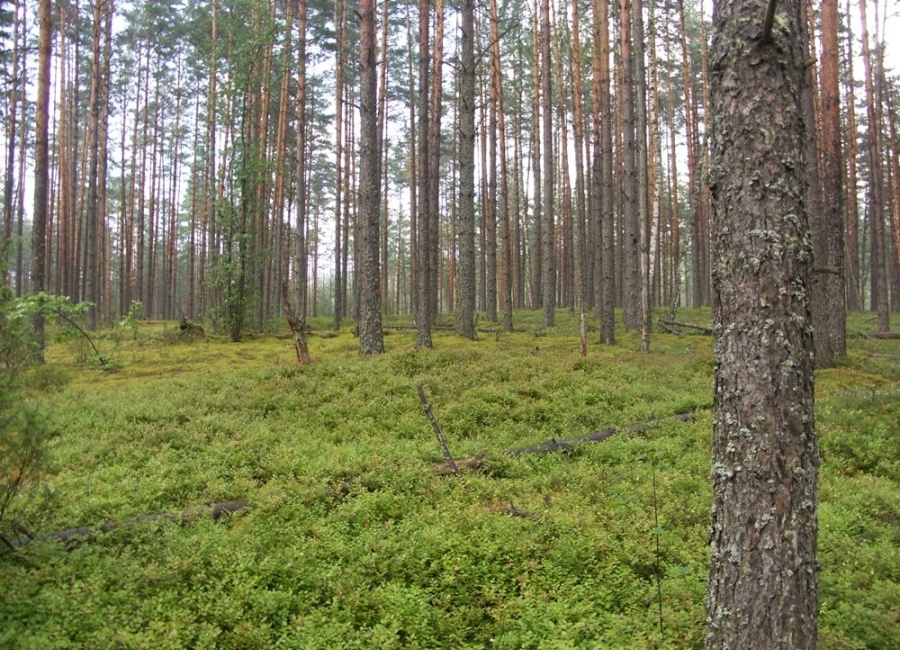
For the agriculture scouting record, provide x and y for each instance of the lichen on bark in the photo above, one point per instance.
(762, 589)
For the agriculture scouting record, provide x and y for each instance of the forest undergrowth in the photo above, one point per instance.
(351, 541)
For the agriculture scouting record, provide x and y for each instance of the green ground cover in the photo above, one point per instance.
(404, 559)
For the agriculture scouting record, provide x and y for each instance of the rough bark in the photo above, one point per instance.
(371, 338)
(762, 588)
(465, 315)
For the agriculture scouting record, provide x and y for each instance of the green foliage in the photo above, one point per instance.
(350, 541)
(131, 320)
(23, 434)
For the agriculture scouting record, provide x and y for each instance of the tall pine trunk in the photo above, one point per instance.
(631, 278)
(501, 203)
(41, 165)
(548, 277)
(465, 314)
(603, 164)
(371, 339)
(339, 18)
(879, 283)
(423, 250)
(851, 217)
(831, 264)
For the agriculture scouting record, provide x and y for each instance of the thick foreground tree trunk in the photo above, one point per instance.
(762, 589)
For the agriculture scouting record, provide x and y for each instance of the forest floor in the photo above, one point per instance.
(351, 541)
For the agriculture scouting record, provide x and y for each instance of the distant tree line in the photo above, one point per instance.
(417, 157)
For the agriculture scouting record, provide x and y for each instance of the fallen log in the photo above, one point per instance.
(217, 510)
(703, 329)
(415, 327)
(669, 330)
(451, 328)
(892, 357)
(513, 511)
(426, 409)
(883, 335)
(553, 445)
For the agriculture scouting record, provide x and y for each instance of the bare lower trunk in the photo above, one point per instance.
(762, 589)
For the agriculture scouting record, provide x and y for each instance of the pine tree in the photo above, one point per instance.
(371, 339)
(762, 589)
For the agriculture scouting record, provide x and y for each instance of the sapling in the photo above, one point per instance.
(657, 530)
